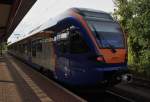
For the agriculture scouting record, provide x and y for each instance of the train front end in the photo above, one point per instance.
(111, 45)
(107, 65)
(112, 50)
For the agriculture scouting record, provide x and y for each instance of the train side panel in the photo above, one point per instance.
(41, 53)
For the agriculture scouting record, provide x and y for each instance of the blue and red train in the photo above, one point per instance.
(84, 48)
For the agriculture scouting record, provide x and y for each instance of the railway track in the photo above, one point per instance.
(101, 95)
(125, 99)
(141, 82)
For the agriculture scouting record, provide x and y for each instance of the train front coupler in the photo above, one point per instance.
(125, 78)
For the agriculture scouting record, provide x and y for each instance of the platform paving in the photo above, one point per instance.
(8, 88)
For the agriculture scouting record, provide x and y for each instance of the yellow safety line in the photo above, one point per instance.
(41, 95)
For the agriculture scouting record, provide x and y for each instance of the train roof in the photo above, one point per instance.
(81, 10)
(53, 23)
(85, 12)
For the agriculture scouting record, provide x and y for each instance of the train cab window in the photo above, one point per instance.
(77, 43)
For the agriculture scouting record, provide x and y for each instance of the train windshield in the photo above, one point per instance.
(108, 33)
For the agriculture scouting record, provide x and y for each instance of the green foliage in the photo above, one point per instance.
(3, 47)
(134, 16)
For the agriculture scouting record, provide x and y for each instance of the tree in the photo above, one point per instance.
(134, 16)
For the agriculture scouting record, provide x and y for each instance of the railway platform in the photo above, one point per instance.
(8, 87)
(20, 83)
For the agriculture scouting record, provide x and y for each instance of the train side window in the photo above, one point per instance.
(34, 49)
(23, 48)
(77, 43)
(39, 45)
(28, 48)
(20, 48)
(63, 42)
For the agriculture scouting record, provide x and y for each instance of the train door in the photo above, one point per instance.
(79, 52)
(62, 46)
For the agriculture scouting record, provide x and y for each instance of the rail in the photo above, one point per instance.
(141, 82)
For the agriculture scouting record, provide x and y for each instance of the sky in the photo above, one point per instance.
(43, 10)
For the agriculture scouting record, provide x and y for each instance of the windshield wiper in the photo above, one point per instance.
(97, 35)
(112, 48)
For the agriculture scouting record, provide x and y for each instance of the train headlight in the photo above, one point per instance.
(127, 78)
